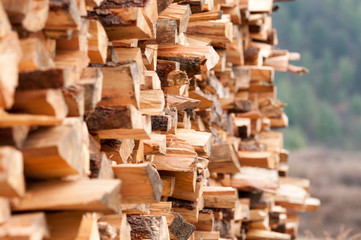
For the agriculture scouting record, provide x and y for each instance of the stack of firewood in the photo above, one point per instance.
(144, 120)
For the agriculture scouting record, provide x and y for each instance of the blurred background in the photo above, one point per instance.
(324, 107)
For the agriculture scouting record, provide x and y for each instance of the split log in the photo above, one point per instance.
(182, 103)
(4, 20)
(148, 227)
(259, 178)
(12, 183)
(35, 56)
(101, 195)
(168, 185)
(170, 161)
(180, 13)
(151, 102)
(205, 220)
(223, 159)
(25, 226)
(127, 55)
(145, 177)
(48, 102)
(49, 147)
(151, 81)
(219, 197)
(119, 122)
(180, 229)
(192, 58)
(219, 31)
(255, 234)
(100, 167)
(201, 141)
(121, 85)
(31, 14)
(258, 159)
(97, 43)
(118, 150)
(75, 100)
(206, 235)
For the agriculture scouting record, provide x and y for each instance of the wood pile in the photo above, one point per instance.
(144, 120)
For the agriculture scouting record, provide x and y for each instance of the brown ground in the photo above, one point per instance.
(336, 180)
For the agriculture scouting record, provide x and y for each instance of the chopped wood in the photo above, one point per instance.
(5, 210)
(119, 122)
(145, 177)
(12, 120)
(180, 13)
(97, 42)
(49, 102)
(223, 159)
(151, 102)
(12, 183)
(218, 31)
(255, 234)
(155, 145)
(258, 159)
(219, 197)
(25, 226)
(101, 195)
(201, 141)
(119, 223)
(92, 82)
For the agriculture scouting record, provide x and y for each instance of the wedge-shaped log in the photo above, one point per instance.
(220, 197)
(63, 15)
(118, 122)
(219, 31)
(53, 152)
(184, 181)
(148, 227)
(12, 183)
(101, 195)
(118, 150)
(97, 42)
(180, 13)
(145, 177)
(151, 102)
(121, 85)
(123, 23)
(201, 141)
(223, 159)
(78, 41)
(5, 27)
(48, 102)
(25, 226)
(31, 14)
(74, 61)
(192, 58)
(180, 160)
(10, 53)
(258, 159)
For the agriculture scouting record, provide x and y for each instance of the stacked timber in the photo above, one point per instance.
(144, 120)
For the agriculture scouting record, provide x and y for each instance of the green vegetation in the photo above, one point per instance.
(324, 106)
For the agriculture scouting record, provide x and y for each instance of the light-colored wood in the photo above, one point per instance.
(180, 13)
(255, 234)
(12, 120)
(216, 30)
(201, 141)
(12, 183)
(92, 82)
(170, 161)
(10, 55)
(74, 61)
(63, 15)
(34, 57)
(119, 223)
(25, 226)
(101, 195)
(31, 14)
(14, 136)
(121, 85)
(126, 55)
(49, 102)
(262, 74)
(151, 102)
(258, 159)
(5, 27)
(118, 150)
(53, 152)
(223, 159)
(155, 145)
(97, 42)
(78, 41)
(168, 185)
(220, 197)
(145, 177)
(5, 210)
(207, 235)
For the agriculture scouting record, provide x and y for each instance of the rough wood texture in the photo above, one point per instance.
(145, 177)
(97, 43)
(223, 159)
(87, 195)
(13, 136)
